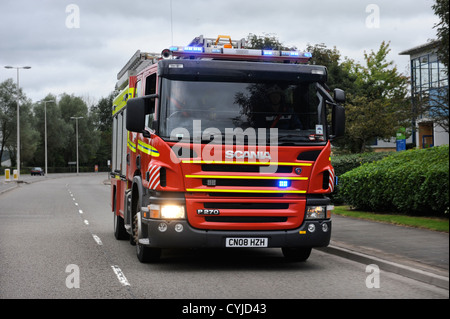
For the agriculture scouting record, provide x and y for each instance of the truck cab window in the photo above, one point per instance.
(138, 92)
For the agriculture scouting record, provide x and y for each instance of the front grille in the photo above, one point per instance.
(242, 168)
(211, 205)
(245, 219)
(241, 182)
(252, 195)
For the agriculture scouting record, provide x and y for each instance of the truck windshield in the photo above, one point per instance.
(211, 109)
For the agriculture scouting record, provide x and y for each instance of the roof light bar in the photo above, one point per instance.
(215, 51)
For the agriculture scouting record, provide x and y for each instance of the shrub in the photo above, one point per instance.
(410, 182)
(345, 163)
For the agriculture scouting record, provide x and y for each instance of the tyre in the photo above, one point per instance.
(144, 253)
(119, 228)
(119, 225)
(296, 254)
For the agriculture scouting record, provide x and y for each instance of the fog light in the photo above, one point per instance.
(311, 228)
(178, 228)
(324, 227)
(162, 227)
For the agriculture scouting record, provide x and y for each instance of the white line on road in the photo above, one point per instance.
(86, 222)
(122, 279)
(80, 211)
(97, 239)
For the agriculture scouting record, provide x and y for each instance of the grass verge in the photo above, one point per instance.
(436, 224)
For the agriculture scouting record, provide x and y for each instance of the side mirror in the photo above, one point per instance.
(338, 118)
(136, 115)
(339, 96)
(137, 109)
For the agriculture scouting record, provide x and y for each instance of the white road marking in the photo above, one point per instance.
(97, 239)
(122, 279)
(119, 274)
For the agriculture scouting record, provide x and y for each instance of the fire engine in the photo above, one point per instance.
(219, 145)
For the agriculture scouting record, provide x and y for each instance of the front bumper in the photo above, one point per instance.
(191, 237)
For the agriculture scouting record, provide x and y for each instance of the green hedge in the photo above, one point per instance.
(345, 163)
(410, 182)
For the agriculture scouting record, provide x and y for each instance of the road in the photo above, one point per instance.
(56, 241)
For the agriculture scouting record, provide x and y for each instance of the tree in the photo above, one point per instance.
(88, 137)
(102, 118)
(441, 9)
(8, 123)
(29, 136)
(266, 41)
(379, 106)
(339, 75)
(438, 100)
(7, 113)
(58, 133)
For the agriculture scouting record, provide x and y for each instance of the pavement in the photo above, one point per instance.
(415, 253)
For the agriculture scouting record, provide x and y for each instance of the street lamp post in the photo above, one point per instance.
(45, 130)
(18, 115)
(76, 118)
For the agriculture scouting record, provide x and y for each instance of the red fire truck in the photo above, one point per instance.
(219, 145)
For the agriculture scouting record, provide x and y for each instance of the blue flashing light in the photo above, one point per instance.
(216, 50)
(283, 184)
(193, 49)
(173, 49)
(294, 54)
(307, 55)
(268, 52)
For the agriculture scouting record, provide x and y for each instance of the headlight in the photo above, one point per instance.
(318, 212)
(172, 211)
(166, 211)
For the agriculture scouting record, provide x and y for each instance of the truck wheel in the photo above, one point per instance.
(119, 225)
(144, 254)
(296, 253)
(119, 229)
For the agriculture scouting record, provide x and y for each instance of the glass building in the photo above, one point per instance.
(428, 79)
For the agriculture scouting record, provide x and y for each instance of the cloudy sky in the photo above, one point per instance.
(79, 46)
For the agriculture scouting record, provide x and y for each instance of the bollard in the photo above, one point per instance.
(7, 175)
(16, 176)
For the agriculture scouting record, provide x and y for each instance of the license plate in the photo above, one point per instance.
(246, 242)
